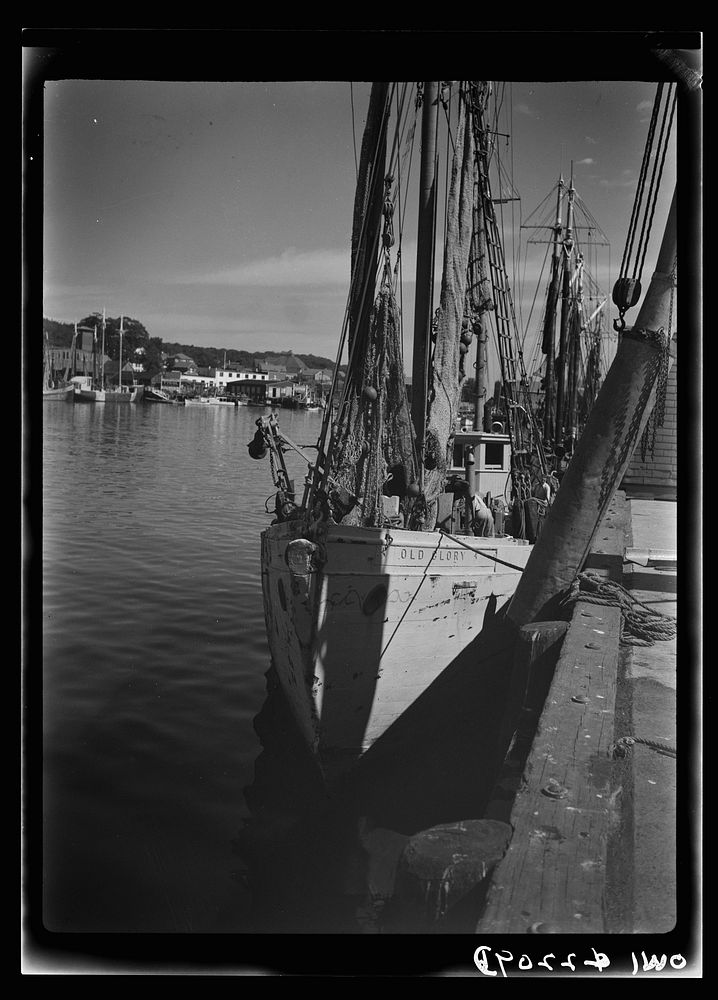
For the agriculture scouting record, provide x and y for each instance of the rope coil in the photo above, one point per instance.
(640, 625)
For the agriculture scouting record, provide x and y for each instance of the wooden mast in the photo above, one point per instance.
(70, 369)
(424, 267)
(481, 376)
(603, 451)
(102, 358)
(549, 336)
(121, 332)
(561, 375)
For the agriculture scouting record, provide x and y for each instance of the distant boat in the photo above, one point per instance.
(123, 394)
(94, 390)
(153, 395)
(214, 400)
(59, 390)
(64, 393)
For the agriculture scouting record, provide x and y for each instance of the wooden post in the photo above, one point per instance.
(440, 869)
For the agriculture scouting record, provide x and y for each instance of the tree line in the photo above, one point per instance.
(135, 335)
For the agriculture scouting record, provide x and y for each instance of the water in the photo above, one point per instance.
(154, 656)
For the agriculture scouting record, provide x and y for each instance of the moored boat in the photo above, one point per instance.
(59, 390)
(392, 562)
(64, 394)
(154, 395)
(94, 390)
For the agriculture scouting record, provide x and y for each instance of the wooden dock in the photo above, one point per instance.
(585, 826)
(551, 879)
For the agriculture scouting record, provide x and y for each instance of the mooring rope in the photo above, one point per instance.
(622, 746)
(640, 625)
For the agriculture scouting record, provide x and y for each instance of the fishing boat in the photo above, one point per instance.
(59, 390)
(155, 395)
(214, 400)
(64, 394)
(86, 393)
(396, 554)
(95, 390)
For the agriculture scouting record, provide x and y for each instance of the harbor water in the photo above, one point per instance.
(153, 661)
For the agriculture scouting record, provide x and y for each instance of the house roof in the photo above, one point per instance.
(286, 361)
(112, 367)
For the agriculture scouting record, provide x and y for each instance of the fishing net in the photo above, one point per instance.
(446, 374)
(375, 455)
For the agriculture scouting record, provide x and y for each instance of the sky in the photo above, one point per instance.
(219, 214)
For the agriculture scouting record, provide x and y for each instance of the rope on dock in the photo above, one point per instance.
(640, 625)
(622, 746)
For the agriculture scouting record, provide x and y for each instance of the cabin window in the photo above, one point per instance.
(494, 458)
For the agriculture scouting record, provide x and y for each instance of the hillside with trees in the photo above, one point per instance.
(135, 335)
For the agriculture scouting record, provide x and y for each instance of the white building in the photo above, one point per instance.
(231, 376)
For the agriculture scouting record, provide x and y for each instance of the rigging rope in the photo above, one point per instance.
(627, 289)
(640, 625)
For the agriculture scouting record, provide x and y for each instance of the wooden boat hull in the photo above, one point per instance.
(156, 396)
(108, 395)
(361, 621)
(65, 394)
(213, 401)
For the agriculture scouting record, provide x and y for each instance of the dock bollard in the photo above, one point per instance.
(440, 868)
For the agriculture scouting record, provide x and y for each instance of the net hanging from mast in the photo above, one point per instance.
(375, 454)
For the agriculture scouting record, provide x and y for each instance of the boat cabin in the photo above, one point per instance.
(491, 454)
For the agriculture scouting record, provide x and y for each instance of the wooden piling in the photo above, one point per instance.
(442, 868)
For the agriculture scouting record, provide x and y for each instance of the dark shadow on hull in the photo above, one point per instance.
(317, 859)
(439, 761)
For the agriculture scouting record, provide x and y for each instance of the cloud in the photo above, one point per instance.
(315, 267)
(615, 183)
(524, 109)
(592, 142)
(644, 106)
(586, 162)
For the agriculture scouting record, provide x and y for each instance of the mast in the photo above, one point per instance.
(549, 335)
(424, 265)
(121, 332)
(46, 372)
(565, 317)
(603, 451)
(71, 360)
(481, 376)
(102, 360)
(574, 353)
(366, 224)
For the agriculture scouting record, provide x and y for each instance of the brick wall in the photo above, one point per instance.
(659, 471)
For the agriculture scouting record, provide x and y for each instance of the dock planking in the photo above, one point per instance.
(608, 546)
(552, 878)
